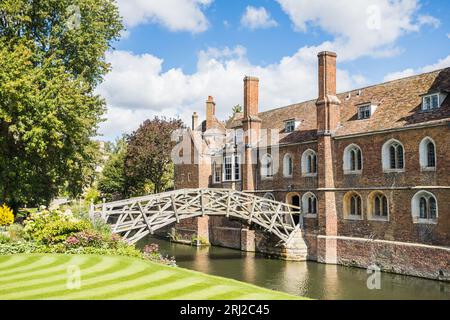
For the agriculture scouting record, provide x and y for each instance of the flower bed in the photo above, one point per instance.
(58, 232)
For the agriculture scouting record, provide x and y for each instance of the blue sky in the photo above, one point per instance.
(176, 52)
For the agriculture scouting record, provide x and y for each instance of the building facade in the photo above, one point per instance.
(370, 169)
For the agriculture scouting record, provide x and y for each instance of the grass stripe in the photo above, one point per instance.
(103, 289)
(18, 261)
(169, 287)
(60, 287)
(43, 263)
(207, 293)
(44, 271)
(38, 281)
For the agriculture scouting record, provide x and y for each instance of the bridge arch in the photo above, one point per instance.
(137, 217)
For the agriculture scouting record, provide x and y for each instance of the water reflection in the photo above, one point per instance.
(308, 279)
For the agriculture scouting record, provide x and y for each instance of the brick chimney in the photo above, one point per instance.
(251, 92)
(328, 110)
(194, 121)
(251, 126)
(328, 121)
(210, 112)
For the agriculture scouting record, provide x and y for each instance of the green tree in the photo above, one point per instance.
(49, 69)
(112, 179)
(237, 109)
(148, 162)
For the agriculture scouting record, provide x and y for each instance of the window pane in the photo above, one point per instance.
(385, 207)
(392, 152)
(400, 163)
(352, 160)
(353, 206)
(433, 208)
(237, 169)
(377, 206)
(435, 102)
(423, 208)
(359, 160)
(431, 155)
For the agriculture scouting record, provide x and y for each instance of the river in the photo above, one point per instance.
(308, 279)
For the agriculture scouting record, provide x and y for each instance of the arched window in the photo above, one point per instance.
(378, 206)
(288, 167)
(269, 196)
(309, 163)
(217, 172)
(424, 207)
(353, 161)
(267, 166)
(427, 149)
(393, 155)
(266, 205)
(309, 204)
(352, 206)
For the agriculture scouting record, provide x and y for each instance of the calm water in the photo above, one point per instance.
(308, 279)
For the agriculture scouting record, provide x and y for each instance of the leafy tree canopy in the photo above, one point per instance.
(49, 112)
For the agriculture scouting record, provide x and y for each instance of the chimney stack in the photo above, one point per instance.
(327, 74)
(251, 92)
(210, 112)
(328, 104)
(194, 121)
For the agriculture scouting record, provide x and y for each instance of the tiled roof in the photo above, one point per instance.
(398, 105)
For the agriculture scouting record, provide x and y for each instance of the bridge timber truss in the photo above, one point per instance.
(136, 218)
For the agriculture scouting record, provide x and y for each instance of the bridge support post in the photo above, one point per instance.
(248, 240)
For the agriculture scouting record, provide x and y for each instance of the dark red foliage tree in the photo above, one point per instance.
(148, 159)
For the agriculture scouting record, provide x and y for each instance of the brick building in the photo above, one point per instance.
(370, 169)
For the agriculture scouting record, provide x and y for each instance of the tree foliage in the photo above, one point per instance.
(48, 109)
(148, 159)
(112, 180)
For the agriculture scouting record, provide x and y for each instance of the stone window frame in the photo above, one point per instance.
(386, 157)
(347, 162)
(304, 201)
(371, 207)
(305, 163)
(424, 154)
(267, 167)
(286, 167)
(416, 207)
(346, 201)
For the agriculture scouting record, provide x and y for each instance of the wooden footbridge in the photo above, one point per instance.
(137, 217)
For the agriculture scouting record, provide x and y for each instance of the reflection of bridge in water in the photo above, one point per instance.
(137, 217)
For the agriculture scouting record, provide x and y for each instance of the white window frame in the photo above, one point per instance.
(429, 106)
(266, 172)
(347, 161)
(362, 111)
(217, 177)
(304, 163)
(288, 165)
(415, 208)
(423, 154)
(290, 125)
(235, 161)
(386, 157)
(305, 205)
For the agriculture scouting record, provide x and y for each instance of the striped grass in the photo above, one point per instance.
(43, 277)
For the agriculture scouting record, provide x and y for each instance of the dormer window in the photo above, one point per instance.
(430, 102)
(364, 112)
(290, 126)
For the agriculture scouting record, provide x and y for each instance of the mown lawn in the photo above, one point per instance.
(24, 277)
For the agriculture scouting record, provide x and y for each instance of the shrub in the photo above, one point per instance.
(59, 231)
(16, 232)
(4, 238)
(6, 216)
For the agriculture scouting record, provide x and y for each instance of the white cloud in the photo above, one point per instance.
(137, 88)
(257, 18)
(441, 64)
(363, 27)
(176, 15)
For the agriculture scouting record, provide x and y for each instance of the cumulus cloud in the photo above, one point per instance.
(441, 64)
(257, 18)
(363, 27)
(138, 88)
(176, 15)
